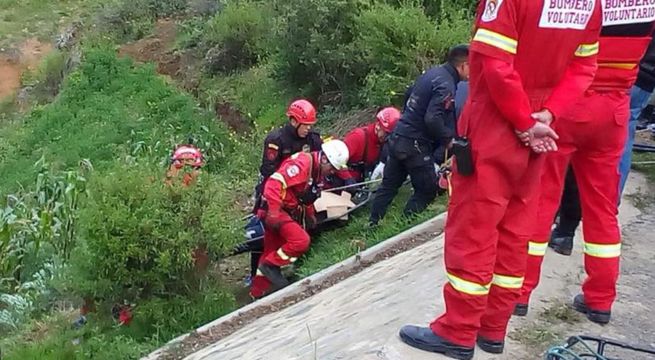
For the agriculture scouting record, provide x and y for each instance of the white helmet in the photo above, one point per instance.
(337, 153)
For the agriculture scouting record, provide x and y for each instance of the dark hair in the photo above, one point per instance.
(458, 54)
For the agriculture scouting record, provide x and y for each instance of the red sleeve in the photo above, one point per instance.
(355, 141)
(512, 101)
(346, 174)
(496, 40)
(580, 72)
(274, 192)
(496, 32)
(294, 171)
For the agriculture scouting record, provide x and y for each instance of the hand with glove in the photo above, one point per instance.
(310, 218)
(378, 171)
(350, 182)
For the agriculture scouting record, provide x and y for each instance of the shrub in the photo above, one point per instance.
(204, 7)
(132, 19)
(237, 36)
(255, 92)
(315, 45)
(397, 44)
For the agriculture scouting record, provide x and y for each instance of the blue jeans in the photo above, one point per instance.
(638, 101)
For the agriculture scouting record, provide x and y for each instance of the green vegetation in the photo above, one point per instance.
(85, 212)
(20, 19)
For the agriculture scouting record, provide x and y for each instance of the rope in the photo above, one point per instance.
(560, 352)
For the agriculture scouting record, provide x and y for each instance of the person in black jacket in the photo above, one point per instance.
(561, 239)
(426, 125)
(281, 143)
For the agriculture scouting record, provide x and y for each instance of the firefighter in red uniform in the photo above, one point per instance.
(520, 79)
(365, 145)
(288, 194)
(185, 156)
(294, 137)
(279, 145)
(592, 139)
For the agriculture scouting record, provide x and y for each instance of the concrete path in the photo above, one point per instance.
(359, 318)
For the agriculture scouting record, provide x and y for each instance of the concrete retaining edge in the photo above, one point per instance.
(437, 222)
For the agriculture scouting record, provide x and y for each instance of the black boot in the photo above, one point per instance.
(561, 243)
(520, 309)
(274, 274)
(597, 316)
(490, 346)
(423, 338)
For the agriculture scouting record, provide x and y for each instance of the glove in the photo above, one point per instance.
(351, 189)
(310, 221)
(310, 218)
(378, 171)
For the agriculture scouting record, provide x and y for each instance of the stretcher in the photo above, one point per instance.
(254, 229)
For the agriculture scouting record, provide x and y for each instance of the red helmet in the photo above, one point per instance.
(388, 118)
(187, 155)
(302, 111)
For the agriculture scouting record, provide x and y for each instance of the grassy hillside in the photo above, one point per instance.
(86, 214)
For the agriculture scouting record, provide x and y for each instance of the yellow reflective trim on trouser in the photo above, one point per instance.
(585, 50)
(467, 287)
(284, 256)
(259, 273)
(602, 250)
(277, 176)
(537, 249)
(496, 40)
(507, 282)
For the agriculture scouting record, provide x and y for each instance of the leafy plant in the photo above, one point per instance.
(237, 36)
(31, 219)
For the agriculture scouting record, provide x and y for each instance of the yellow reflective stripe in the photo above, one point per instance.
(537, 249)
(273, 146)
(259, 273)
(507, 282)
(496, 40)
(585, 50)
(280, 178)
(466, 286)
(626, 66)
(284, 256)
(602, 250)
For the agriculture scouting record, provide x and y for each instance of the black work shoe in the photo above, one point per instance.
(423, 338)
(520, 309)
(597, 316)
(274, 274)
(490, 346)
(562, 244)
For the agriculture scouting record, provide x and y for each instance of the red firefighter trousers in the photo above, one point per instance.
(281, 247)
(488, 228)
(592, 137)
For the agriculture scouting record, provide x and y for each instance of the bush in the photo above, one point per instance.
(238, 36)
(139, 234)
(397, 44)
(315, 45)
(255, 92)
(204, 7)
(132, 19)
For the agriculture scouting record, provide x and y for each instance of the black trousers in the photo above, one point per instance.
(570, 213)
(406, 157)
